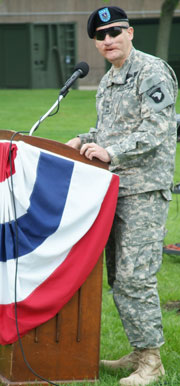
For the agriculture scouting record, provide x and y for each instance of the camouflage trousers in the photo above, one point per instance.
(134, 256)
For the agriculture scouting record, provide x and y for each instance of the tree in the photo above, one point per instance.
(167, 11)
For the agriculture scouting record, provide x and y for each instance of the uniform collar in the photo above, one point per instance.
(119, 77)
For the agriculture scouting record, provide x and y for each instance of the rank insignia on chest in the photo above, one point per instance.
(106, 107)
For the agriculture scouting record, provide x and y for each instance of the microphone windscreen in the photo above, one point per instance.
(84, 67)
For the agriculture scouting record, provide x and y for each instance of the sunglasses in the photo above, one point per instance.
(112, 31)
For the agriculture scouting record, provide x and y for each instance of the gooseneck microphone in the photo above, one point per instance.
(81, 70)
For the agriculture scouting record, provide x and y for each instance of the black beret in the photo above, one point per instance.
(103, 16)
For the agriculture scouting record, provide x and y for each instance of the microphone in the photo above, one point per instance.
(81, 70)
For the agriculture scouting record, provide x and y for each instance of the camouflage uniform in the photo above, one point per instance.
(137, 126)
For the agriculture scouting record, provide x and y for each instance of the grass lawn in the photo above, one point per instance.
(20, 109)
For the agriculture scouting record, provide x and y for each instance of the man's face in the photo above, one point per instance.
(116, 49)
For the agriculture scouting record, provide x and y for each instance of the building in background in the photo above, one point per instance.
(42, 40)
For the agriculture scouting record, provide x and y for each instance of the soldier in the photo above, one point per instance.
(136, 135)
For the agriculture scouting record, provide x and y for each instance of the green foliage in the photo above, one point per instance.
(169, 6)
(19, 110)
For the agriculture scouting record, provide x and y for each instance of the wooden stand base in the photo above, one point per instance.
(64, 349)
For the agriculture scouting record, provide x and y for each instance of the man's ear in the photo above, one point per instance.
(131, 33)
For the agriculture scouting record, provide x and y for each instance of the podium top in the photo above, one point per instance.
(53, 146)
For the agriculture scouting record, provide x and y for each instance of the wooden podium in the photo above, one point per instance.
(66, 348)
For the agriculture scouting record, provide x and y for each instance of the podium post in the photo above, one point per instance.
(65, 348)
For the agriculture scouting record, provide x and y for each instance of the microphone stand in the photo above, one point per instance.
(81, 70)
(35, 126)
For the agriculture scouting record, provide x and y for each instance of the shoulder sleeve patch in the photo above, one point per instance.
(155, 92)
(158, 97)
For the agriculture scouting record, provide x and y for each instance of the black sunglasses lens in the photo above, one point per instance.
(100, 35)
(115, 33)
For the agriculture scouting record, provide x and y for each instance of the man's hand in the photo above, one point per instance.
(91, 150)
(74, 142)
